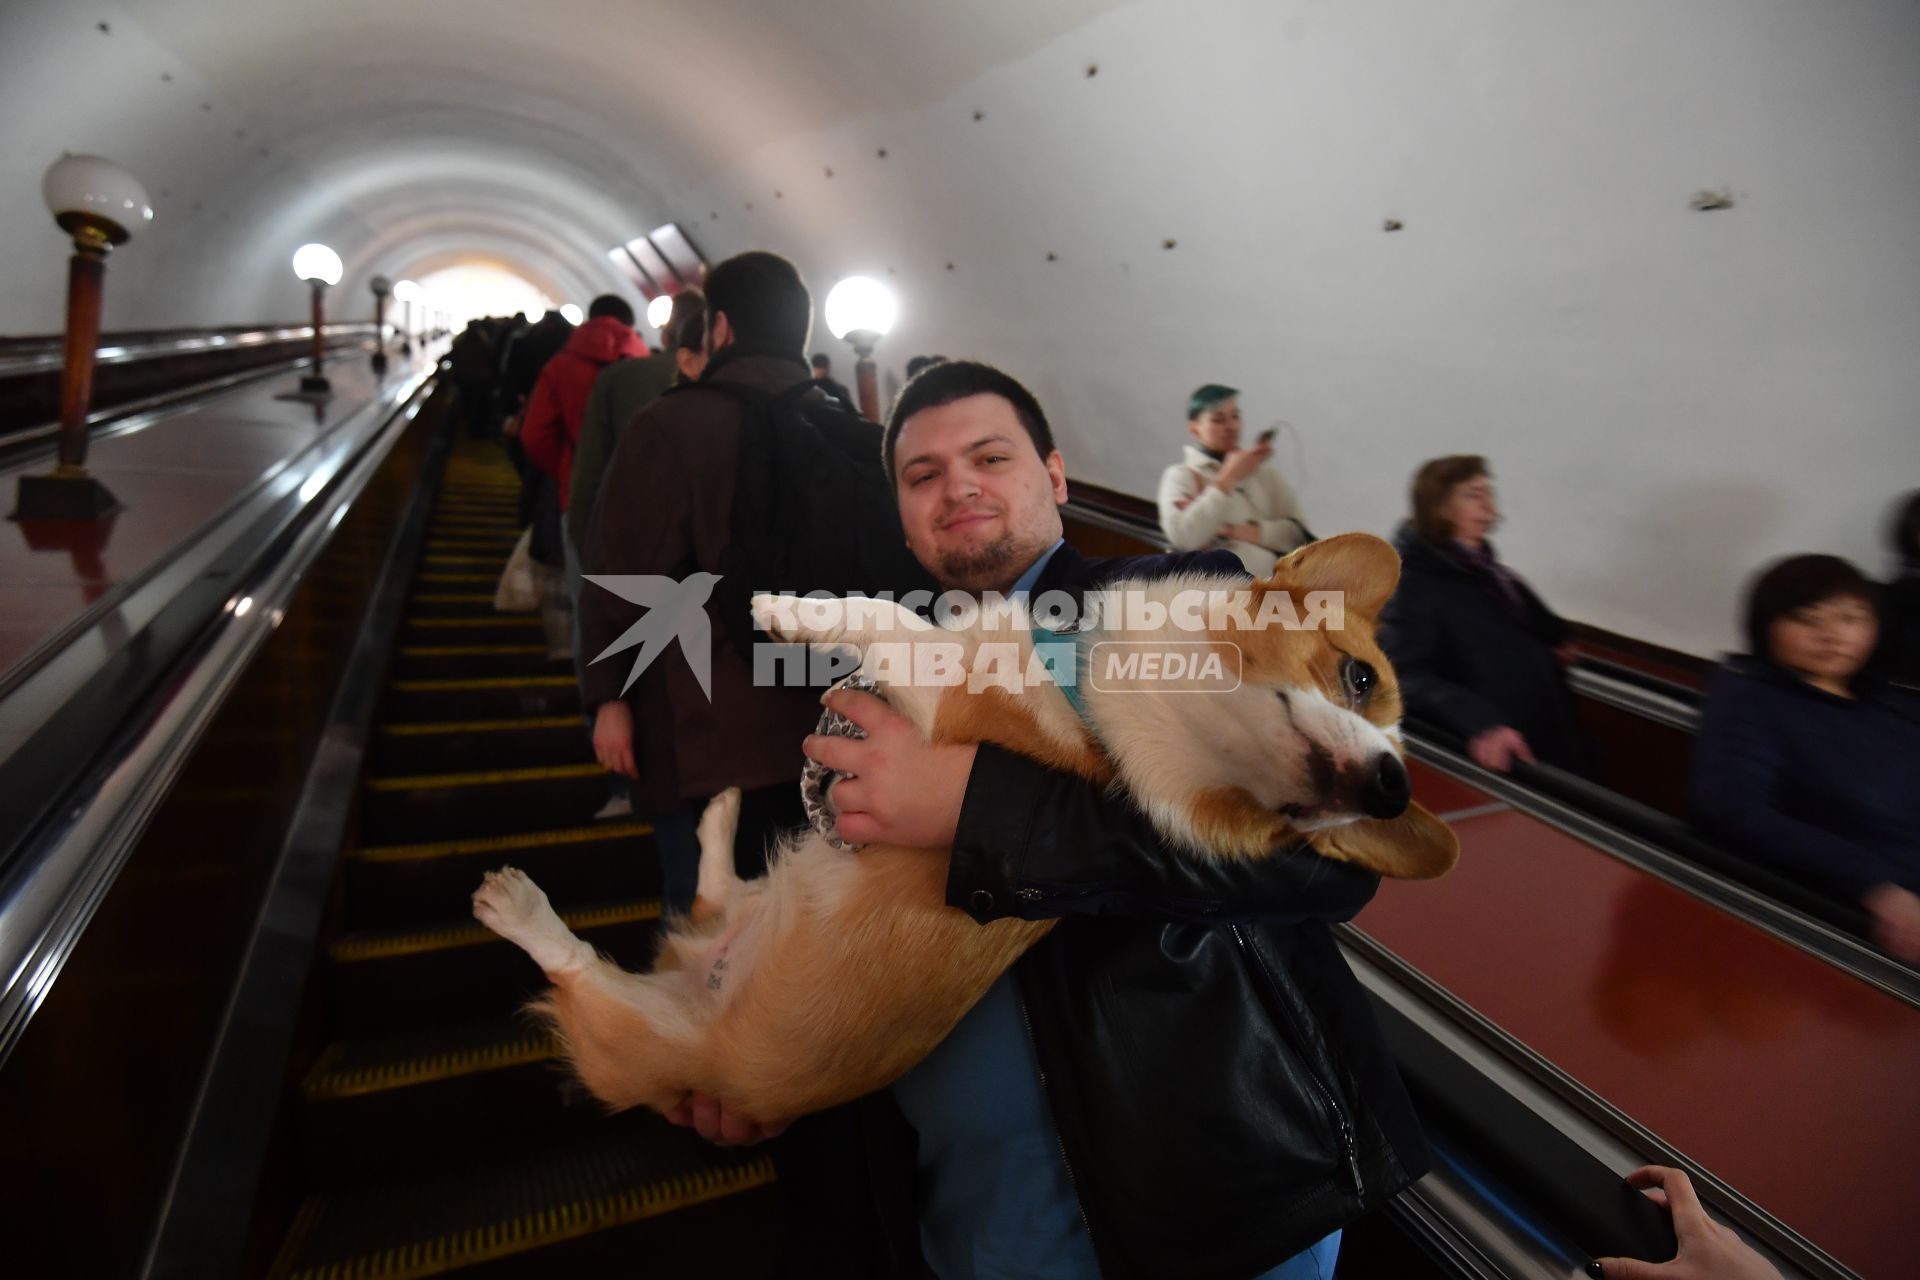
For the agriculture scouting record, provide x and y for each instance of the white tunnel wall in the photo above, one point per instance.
(1669, 397)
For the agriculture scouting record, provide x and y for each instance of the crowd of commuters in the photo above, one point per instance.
(1809, 742)
(1053, 1133)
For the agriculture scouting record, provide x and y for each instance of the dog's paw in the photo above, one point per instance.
(507, 901)
(778, 616)
(517, 909)
(721, 819)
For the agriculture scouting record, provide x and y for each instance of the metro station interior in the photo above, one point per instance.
(308, 314)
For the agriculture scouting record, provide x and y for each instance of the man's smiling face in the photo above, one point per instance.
(978, 502)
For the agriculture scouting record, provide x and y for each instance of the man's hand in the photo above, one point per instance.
(1708, 1251)
(1240, 464)
(510, 426)
(1497, 748)
(1896, 920)
(908, 791)
(613, 738)
(709, 1117)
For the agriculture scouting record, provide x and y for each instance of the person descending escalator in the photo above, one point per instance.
(1479, 654)
(1807, 757)
(1227, 494)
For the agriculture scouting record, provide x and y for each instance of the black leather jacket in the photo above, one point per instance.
(1223, 1095)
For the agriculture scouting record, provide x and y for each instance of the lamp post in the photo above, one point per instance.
(319, 266)
(659, 311)
(100, 205)
(406, 293)
(381, 287)
(862, 310)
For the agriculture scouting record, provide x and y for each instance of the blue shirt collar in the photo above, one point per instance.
(1024, 583)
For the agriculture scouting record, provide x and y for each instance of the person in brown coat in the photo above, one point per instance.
(665, 508)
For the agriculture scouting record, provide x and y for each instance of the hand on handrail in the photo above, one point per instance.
(1708, 1250)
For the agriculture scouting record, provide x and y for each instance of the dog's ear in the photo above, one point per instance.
(1414, 846)
(1362, 566)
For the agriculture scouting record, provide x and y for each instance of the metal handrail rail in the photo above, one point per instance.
(57, 876)
(1582, 1117)
(1755, 895)
(53, 356)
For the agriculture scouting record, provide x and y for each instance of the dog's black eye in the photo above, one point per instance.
(1359, 677)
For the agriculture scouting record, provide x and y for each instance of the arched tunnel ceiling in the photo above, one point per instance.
(564, 116)
(1120, 199)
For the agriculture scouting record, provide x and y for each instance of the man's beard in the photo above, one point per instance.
(981, 568)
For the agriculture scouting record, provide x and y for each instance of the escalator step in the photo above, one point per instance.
(458, 971)
(452, 602)
(481, 697)
(431, 1227)
(502, 844)
(392, 886)
(446, 629)
(412, 1097)
(483, 657)
(449, 746)
(385, 946)
(482, 802)
(352, 1068)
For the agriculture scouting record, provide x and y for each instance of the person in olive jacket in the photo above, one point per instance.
(1478, 654)
(1807, 758)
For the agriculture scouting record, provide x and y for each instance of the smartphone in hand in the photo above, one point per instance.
(1265, 438)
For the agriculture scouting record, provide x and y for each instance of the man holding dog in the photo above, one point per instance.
(1183, 1078)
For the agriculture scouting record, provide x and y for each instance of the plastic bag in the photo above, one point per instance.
(519, 589)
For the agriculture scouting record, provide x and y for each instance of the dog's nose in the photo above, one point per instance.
(1388, 790)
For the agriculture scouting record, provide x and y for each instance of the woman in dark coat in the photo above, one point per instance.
(1807, 759)
(1477, 653)
(1900, 641)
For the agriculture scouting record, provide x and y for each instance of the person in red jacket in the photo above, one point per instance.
(549, 433)
(559, 399)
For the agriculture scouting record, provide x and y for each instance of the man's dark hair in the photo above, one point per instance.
(821, 360)
(612, 304)
(764, 299)
(686, 326)
(952, 380)
(1795, 583)
(920, 364)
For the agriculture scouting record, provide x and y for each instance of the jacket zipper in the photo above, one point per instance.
(1348, 1142)
(1073, 1183)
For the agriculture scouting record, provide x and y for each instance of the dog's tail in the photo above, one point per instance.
(717, 878)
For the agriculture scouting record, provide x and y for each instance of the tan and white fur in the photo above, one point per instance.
(836, 972)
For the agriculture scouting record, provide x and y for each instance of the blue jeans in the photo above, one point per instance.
(676, 838)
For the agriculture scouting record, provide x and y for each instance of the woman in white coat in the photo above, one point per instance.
(1221, 495)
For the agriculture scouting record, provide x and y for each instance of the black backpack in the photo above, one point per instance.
(813, 508)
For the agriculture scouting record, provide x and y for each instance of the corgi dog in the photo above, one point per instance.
(836, 972)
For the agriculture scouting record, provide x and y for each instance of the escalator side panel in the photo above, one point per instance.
(101, 1087)
(1781, 1074)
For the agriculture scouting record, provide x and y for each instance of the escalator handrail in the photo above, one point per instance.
(1651, 841)
(106, 735)
(1663, 829)
(1673, 690)
(23, 360)
(1542, 1129)
(24, 445)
